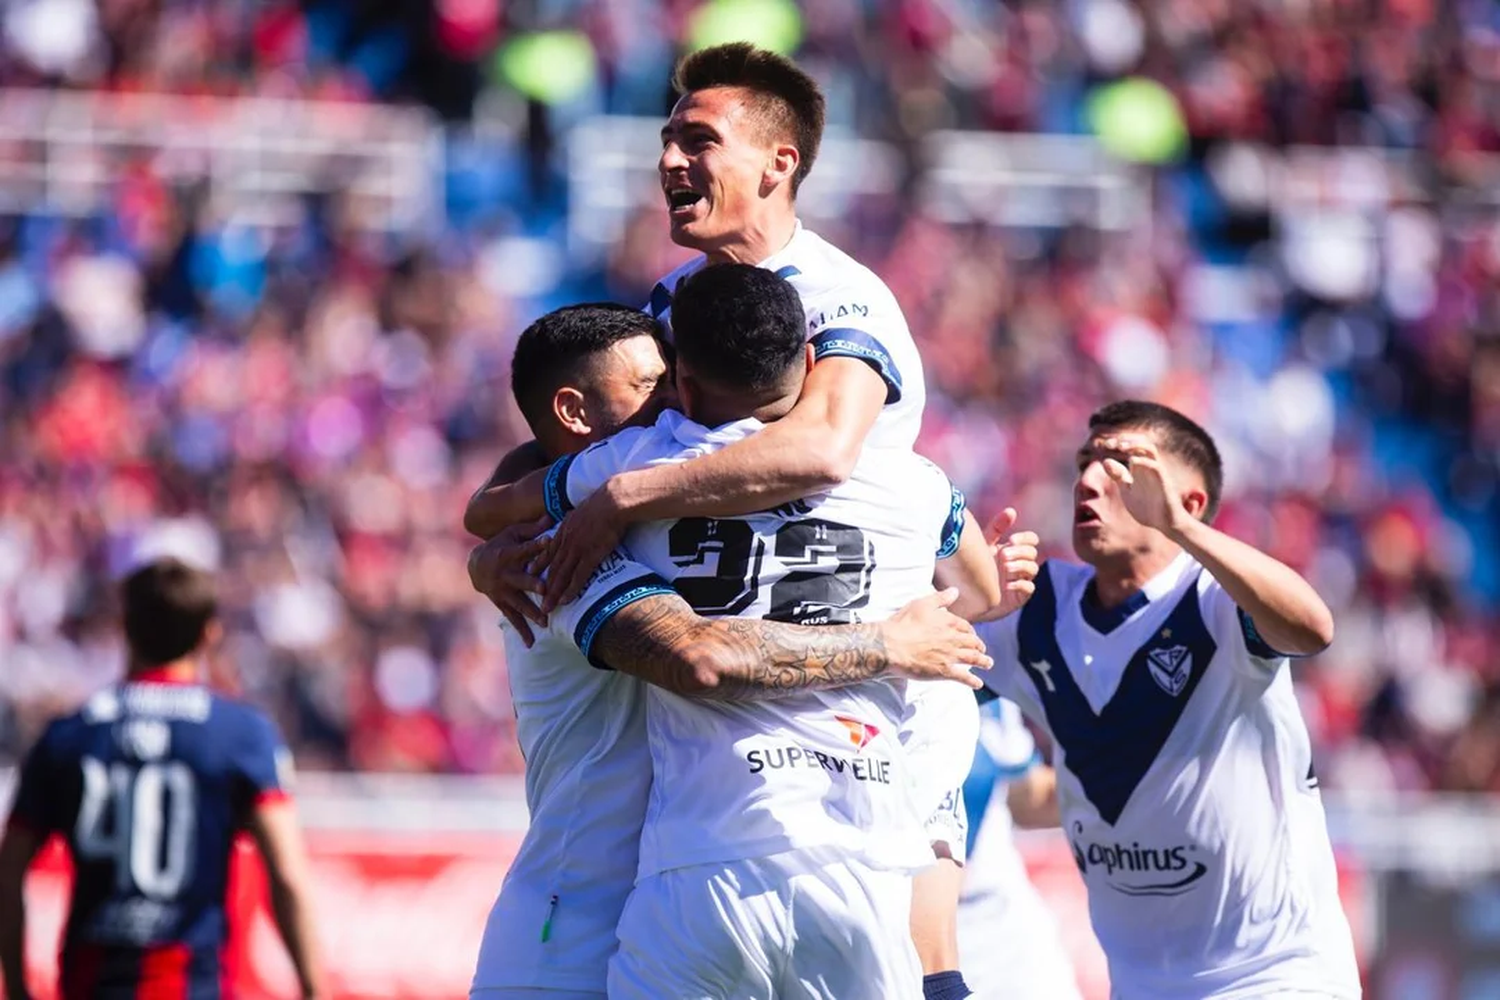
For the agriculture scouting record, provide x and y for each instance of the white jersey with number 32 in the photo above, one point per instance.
(736, 780)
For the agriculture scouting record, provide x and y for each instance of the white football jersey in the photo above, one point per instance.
(736, 780)
(850, 313)
(1186, 784)
(582, 730)
(1008, 943)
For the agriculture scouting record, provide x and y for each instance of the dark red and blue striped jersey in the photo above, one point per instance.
(148, 784)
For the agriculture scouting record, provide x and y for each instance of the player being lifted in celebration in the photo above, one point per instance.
(579, 374)
(1185, 776)
(148, 785)
(738, 145)
(736, 148)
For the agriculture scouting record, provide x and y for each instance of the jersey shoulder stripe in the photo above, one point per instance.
(953, 527)
(847, 342)
(1110, 751)
(611, 604)
(555, 488)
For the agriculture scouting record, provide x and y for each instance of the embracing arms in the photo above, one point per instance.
(661, 640)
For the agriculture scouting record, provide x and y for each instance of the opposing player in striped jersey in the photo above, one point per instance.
(578, 374)
(804, 796)
(1007, 938)
(148, 785)
(1185, 777)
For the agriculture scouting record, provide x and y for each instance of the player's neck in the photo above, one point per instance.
(184, 671)
(730, 411)
(759, 240)
(1116, 581)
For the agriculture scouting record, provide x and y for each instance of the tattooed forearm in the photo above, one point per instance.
(661, 640)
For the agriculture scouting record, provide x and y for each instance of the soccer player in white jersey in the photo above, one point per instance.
(578, 374)
(806, 795)
(737, 146)
(1006, 936)
(1160, 672)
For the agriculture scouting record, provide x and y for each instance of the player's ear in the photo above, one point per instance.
(812, 358)
(1195, 502)
(570, 410)
(780, 168)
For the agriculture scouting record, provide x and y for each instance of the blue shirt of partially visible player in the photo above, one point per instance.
(148, 785)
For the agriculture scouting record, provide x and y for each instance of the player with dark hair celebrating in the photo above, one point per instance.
(148, 784)
(1184, 770)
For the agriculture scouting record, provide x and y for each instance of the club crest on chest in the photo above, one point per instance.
(1170, 668)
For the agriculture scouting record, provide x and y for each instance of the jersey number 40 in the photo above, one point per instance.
(822, 571)
(143, 819)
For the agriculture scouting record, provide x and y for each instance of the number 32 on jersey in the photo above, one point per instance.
(820, 574)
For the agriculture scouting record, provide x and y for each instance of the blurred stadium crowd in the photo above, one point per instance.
(308, 408)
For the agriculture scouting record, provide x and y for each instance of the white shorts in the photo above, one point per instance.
(939, 734)
(801, 924)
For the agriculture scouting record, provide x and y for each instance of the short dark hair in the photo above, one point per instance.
(168, 605)
(739, 327)
(1178, 435)
(790, 105)
(561, 348)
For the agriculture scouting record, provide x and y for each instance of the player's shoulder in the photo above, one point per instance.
(102, 708)
(817, 264)
(903, 464)
(663, 290)
(1232, 627)
(833, 285)
(63, 734)
(645, 442)
(237, 721)
(236, 710)
(898, 478)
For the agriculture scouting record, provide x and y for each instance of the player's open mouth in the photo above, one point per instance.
(680, 201)
(1085, 515)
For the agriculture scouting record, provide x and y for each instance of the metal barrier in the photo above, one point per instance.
(69, 151)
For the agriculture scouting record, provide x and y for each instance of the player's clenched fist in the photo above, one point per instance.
(925, 641)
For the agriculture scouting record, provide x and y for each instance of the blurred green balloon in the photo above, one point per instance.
(1139, 120)
(769, 24)
(552, 67)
